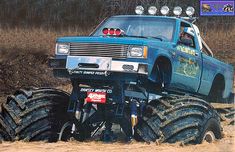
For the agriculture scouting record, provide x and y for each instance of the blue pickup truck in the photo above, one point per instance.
(150, 47)
(152, 75)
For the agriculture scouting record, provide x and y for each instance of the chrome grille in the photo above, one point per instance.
(117, 51)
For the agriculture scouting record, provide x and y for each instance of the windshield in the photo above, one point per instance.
(162, 28)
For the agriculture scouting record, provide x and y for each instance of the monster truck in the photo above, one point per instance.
(152, 75)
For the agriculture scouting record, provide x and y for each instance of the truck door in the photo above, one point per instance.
(187, 66)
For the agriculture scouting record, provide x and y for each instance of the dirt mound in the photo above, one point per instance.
(20, 69)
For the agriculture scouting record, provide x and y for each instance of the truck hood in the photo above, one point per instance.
(115, 40)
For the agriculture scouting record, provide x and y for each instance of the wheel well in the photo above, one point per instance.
(218, 82)
(217, 89)
(162, 68)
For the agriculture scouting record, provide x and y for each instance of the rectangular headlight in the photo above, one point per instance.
(62, 48)
(137, 52)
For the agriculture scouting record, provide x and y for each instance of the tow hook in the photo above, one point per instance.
(106, 73)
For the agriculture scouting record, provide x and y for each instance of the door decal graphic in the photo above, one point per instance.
(187, 67)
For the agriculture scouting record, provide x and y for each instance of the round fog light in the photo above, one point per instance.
(165, 10)
(139, 10)
(177, 11)
(152, 10)
(190, 11)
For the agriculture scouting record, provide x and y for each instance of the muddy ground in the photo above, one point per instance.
(227, 144)
(24, 69)
(21, 69)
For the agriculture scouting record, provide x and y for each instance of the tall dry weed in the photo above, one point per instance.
(222, 43)
(36, 39)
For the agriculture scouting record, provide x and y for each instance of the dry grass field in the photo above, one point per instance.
(222, 43)
(36, 39)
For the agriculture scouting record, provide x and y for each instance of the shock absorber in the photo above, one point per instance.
(142, 105)
(78, 110)
(87, 109)
(134, 118)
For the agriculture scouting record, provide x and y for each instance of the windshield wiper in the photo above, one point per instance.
(146, 37)
(157, 38)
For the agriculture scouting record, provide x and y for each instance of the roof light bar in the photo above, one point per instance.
(152, 10)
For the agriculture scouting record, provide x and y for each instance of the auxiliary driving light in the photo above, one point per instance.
(139, 10)
(152, 10)
(105, 31)
(190, 11)
(177, 11)
(118, 32)
(111, 31)
(165, 10)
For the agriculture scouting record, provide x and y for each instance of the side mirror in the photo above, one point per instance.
(187, 42)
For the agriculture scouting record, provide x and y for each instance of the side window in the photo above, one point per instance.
(204, 51)
(187, 35)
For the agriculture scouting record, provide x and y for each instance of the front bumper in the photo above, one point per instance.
(98, 68)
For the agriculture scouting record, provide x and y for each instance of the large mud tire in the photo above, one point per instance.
(182, 119)
(33, 115)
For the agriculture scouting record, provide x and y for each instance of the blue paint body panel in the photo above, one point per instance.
(190, 73)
